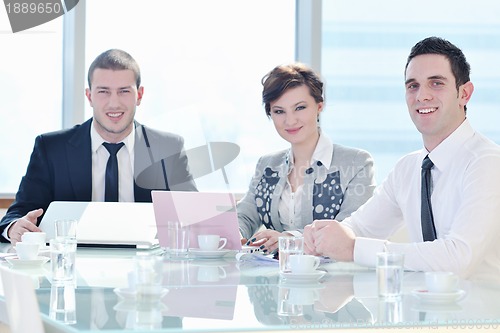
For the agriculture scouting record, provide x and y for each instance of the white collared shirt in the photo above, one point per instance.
(465, 203)
(125, 158)
(291, 202)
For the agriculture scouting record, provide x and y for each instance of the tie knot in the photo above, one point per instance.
(427, 163)
(113, 148)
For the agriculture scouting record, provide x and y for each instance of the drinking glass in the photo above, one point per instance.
(178, 237)
(390, 273)
(65, 228)
(289, 245)
(62, 257)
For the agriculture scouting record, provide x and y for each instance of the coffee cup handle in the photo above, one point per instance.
(316, 263)
(224, 242)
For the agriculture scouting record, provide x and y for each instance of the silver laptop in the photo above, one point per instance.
(106, 224)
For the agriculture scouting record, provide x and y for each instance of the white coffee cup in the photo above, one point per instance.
(34, 237)
(27, 251)
(211, 242)
(303, 263)
(441, 282)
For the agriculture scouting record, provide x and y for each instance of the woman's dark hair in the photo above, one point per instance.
(284, 77)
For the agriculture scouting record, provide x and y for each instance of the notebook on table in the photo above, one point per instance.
(106, 224)
(204, 212)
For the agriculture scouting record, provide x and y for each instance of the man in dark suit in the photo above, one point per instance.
(70, 165)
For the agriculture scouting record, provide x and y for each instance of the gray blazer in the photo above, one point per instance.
(332, 192)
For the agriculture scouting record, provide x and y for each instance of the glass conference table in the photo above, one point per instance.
(230, 295)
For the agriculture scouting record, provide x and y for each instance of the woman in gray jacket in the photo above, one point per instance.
(314, 179)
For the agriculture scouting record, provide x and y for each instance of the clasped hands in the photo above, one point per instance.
(329, 238)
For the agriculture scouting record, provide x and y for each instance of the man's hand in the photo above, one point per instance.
(330, 239)
(27, 223)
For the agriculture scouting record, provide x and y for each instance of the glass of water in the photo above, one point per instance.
(390, 273)
(178, 236)
(62, 257)
(289, 246)
(65, 228)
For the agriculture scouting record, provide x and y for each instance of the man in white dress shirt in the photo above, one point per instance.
(465, 197)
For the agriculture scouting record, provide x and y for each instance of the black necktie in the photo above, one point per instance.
(111, 184)
(428, 229)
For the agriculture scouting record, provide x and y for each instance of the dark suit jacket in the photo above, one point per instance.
(60, 169)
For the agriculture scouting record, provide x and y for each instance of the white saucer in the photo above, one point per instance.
(16, 262)
(198, 253)
(429, 297)
(308, 284)
(316, 275)
(129, 294)
(125, 293)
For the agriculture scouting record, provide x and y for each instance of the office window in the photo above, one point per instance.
(31, 86)
(202, 64)
(364, 50)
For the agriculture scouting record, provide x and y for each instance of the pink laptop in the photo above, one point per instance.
(204, 212)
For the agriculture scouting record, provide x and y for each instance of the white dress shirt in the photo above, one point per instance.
(465, 203)
(125, 157)
(290, 202)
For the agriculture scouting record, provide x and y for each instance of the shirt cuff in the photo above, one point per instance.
(5, 232)
(366, 249)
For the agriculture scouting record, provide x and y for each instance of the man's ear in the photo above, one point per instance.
(89, 95)
(140, 93)
(465, 92)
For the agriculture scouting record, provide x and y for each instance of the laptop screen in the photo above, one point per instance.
(205, 213)
(116, 224)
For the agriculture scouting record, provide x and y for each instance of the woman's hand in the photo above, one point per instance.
(267, 240)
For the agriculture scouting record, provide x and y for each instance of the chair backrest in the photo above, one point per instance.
(22, 305)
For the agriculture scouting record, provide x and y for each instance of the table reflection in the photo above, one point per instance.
(201, 288)
(63, 302)
(307, 304)
(227, 294)
(390, 311)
